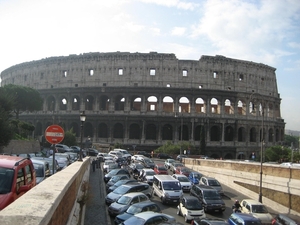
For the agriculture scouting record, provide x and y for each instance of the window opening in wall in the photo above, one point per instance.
(215, 74)
(168, 85)
(152, 72)
(241, 77)
(200, 86)
(42, 75)
(65, 73)
(152, 107)
(76, 85)
(120, 71)
(104, 84)
(184, 73)
(262, 79)
(91, 72)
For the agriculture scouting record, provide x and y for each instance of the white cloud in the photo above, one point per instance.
(178, 31)
(174, 3)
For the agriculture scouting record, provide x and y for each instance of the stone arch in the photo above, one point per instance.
(151, 133)
(119, 103)
(228, 156)
(134, 131)
(241, 107)
(214, 106)
(184, 105)
(102, 130)
(89, 102)
(152, 103)
(167, 132)
(104, 103)
(271, 135)
(168, 104)
(63, 103)
(135, 103)
(228, 107)
(184, 133)
(200, 106)
(51, 103)
(118, 131)
(241, 134)
(229, 133)
(252, 134)
(75, 102)
(215, 133)
(215, 156)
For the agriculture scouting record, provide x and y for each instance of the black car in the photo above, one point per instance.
(147, 163)
(121, 161)
(137, 208)
(163, 156)
(91, 152)
(119, 183)
(115, 179)
(210, 197)
(144, 153)
(115, 172)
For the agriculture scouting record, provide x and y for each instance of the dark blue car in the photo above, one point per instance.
(243, 219)
(195, 177)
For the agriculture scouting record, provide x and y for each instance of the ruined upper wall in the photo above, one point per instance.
(121, 69)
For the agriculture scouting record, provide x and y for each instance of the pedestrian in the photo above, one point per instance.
(94, 165)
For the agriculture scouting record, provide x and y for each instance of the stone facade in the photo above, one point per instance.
(144, 100)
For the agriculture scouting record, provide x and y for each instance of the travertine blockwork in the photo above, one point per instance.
(147, 99)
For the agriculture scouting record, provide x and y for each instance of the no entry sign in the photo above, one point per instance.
(54, 134)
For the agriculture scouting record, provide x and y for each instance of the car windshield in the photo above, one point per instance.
(39, 170)
(171, 186)
(121, 190)
(150, 173)
(213, 183)
(259, 209)
(211, 195)
(134, 210)
(193, 204)
(183, 179)
(148, 160)
(6, 178)
(124, 200)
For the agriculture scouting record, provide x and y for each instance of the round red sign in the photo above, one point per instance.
(54, 134)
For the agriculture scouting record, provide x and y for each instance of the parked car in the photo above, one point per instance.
(168, 163)
(73, 156)
(109, 165)
(163, 156)
(190, 208)
(209, 221)
(126, 155)
(160, 169)
(75, 149)
(147, 175)
(183, 170)
(119, 183)
(120, 161)
(256, 209)
(135, 169)
(243, 218)
(113, 173)
(42, 169)
(210, 198)
(123, 203)
(146, 218)
(91, 152)
(174, 165)
(147, 163)
(104, 156)
(137, 208)
(116, 154)
(115, 179)
(281, 219)
(63, 162)
(136, 158)
(144, 153)
(212, 182)
(184, 182)
(62, 148)
(128, 188)
(50, 161)
(17, 176)
(180, 157)
(195, 177)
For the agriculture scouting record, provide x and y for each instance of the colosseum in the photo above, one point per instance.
(144, 100)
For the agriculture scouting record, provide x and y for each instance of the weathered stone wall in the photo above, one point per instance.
(280, 185)
(19, 146)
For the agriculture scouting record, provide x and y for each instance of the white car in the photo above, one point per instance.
(135, 158)
(184, 182)
(257, 210)
(107, 165)
(168, 163)
(148, 175)
(190, 208)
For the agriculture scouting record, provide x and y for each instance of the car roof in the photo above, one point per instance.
(8, 161)
(130, 184)
(190, 197)
(146, 169)
(179, 175)
(204, 187)
(245, 216)
(149, 214)
(133, 194)
(252, 201)
(144, 203)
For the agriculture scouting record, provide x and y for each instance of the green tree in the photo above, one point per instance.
(6, 107)
(70, 138)
(25, 99)
(277, 154)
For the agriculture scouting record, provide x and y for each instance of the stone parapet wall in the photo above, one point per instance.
(280, 185)
(59, 199)
(19, 146)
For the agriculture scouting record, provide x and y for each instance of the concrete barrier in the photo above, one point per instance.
(280, 185)
(60, 199)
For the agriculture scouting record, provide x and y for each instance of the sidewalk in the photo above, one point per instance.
(95, 211)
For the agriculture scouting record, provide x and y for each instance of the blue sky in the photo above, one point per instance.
(266, 31)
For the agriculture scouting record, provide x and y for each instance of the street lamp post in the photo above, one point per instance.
(82, 119)
(261, 150)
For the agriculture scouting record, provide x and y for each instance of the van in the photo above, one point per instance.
(17, 176)
(42, 169)
(167, 188)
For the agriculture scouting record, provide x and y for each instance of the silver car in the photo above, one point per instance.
(212, 182)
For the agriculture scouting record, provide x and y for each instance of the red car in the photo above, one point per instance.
(183, 170)
(160, 169)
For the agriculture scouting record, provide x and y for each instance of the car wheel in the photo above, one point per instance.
(178, 211)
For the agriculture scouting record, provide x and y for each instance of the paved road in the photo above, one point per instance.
(96, 209)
